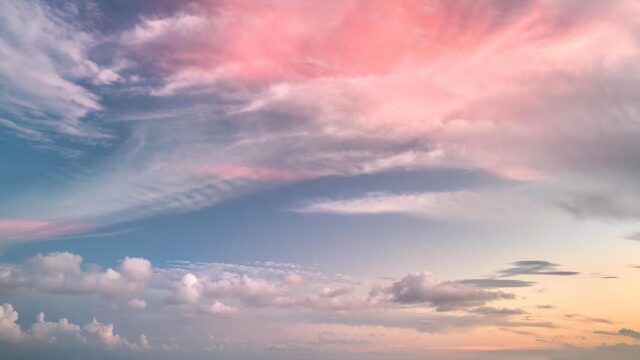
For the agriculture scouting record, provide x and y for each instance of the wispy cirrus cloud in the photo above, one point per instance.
(301, 102)
(460, 205)
(519, 268)
(43, 64)
(21, 229)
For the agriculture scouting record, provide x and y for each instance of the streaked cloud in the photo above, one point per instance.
(220, 130)
(45, 56)
(535, 267)
(248, 111)
(490, 283)
(447, 206)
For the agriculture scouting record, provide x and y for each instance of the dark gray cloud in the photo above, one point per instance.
(491, 311)
(630, 333)
(633, 236)
(421, 288)
(588, 319)
(490, 283)
(622, 332)
(613, 352)
(535, 267)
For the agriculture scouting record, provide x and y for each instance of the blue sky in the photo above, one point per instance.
(340, 179)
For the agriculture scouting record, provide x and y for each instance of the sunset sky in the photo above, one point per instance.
(320, 179)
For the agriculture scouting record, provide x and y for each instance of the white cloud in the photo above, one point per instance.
(223, 289)
(137, 304)
(9, 329)
(218, 308)
(291, 112)
(294, 279)
(62, 272)
(136, 269)
(44, 58)
(459, 205)
(62, 333)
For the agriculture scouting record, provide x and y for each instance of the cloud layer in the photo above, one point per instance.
(522, 91)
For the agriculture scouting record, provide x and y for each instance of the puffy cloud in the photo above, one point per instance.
(137, 304)
(187, 290)
(62, 272)
(136, 269)
(218, 308)
(423, 289)
(294, 279)
(62, 333)
(103, 334)
(56, 264)
(254, 292)
(9, 329)
(201, 288)
(340, 298)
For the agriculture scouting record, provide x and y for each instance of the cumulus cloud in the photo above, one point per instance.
(223, 289)
(196, 292)
(137, 304)
(62, 333)
(294, 279)
(423, 289)
(62, 272)
(218, 308)
(9, 328)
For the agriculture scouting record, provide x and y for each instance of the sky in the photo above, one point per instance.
(301, 179)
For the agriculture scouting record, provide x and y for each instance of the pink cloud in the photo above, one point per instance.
(23, 229)
(309, 39)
